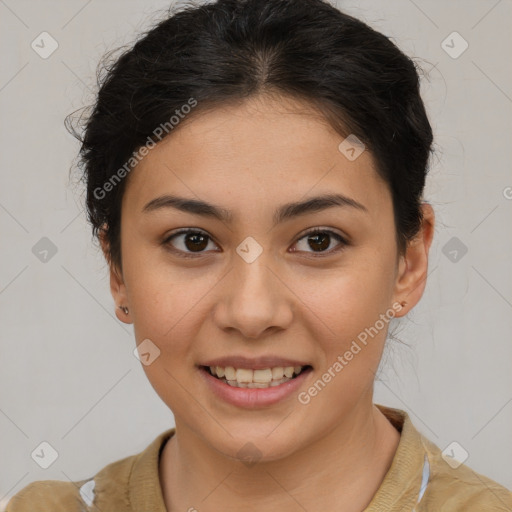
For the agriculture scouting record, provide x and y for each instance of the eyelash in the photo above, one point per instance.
(314, 231)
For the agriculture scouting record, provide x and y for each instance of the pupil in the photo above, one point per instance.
(324, 237)
(195, 237)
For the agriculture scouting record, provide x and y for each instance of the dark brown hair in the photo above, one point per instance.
(230, 50)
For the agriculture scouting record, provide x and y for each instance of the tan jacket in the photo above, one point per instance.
(419, 480)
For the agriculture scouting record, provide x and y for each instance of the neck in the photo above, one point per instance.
(341, 470)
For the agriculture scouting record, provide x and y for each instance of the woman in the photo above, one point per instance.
(255, 173)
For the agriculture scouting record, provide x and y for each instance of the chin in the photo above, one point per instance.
(255, 447)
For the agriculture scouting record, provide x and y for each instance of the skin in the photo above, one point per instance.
(250, 158)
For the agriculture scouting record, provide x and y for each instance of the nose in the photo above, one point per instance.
(253, 300)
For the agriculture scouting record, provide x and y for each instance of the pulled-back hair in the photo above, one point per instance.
(210, 54)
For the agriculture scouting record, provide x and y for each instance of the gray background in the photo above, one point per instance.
(68, 375)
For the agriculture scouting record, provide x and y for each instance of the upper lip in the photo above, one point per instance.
(253, 363)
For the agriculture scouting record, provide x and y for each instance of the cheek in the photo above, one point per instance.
(349, 331)
(165, 313)
(159, 292)
(169, 307)
(349, 298)
(169, 316)
(347, 304)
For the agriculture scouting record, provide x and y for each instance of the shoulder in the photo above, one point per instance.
(111, 489)
(48, 496)
(453, 486)
(75, 496)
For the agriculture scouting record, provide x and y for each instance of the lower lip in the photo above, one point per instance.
(253, 397)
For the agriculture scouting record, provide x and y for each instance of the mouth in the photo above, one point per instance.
(258, 378)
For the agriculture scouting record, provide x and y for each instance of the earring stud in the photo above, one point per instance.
(125, 309)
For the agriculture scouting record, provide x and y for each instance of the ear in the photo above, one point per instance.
(117, 286)
(413, 266)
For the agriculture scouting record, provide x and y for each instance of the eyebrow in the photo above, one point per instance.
(283, 213)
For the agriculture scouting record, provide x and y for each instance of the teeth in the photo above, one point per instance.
(252, 385)
(229, 373)
(264, 376)
(259, 385)
(277, 373)
(243, 375)
(288, 371)
(247, 378)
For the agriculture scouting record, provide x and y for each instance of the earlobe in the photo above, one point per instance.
(413, 268)
(117, 286)
(118, 290)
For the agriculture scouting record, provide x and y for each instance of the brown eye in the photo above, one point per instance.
(319, 240)
(189, 241)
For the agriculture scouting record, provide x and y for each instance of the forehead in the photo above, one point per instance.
(260, 152)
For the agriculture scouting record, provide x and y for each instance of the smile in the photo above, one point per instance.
(260, 379)
(248, 388)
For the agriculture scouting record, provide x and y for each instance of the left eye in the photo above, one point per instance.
(320, 240)
(194, 242)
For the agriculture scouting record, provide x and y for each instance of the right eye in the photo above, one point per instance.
(192, 240)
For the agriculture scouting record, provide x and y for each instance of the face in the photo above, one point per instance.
(250, 286)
